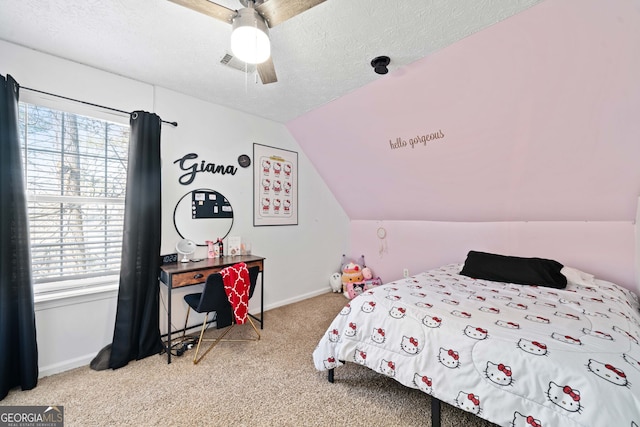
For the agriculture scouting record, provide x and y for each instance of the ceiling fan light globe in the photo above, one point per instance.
(250, 45)
(250, 37)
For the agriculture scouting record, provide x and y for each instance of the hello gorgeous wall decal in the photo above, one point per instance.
(418, 139)
(190, 164)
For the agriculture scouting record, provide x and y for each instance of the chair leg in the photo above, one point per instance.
(217, 340)
(196, 360)
(240, 339)
(186, 322)
(254, 328)
(204, 327)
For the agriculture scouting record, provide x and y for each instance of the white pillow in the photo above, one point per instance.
(578, 277)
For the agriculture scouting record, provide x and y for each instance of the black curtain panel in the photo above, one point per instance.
(18, 347)
(137, 330)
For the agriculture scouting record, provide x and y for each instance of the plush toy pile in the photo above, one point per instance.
(354, 278)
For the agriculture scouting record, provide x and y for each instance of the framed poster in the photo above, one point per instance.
(275, 186)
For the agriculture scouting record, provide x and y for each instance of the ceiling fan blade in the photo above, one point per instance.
(267, 72)
(277, 11)
(208, 8)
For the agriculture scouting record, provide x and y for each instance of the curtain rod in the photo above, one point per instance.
(175, 124)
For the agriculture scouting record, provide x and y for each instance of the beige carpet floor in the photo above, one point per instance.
(271, 382)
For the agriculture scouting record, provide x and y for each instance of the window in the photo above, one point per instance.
(75, 179)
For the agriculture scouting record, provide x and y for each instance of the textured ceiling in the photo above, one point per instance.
(319, 55)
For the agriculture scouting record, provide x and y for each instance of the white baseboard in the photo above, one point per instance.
(66, 365)
(294, 299)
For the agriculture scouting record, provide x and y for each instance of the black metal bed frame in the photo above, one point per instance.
(435, 403)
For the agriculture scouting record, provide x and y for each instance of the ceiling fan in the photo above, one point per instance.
(250, 34)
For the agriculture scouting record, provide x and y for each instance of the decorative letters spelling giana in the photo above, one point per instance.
(190, 164)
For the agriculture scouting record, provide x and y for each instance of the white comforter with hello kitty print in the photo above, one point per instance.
(514, 355)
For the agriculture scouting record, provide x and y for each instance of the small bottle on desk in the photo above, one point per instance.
(211, 252)
(221, 245)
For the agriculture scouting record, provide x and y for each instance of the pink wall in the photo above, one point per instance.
(540, 115)
(605, 249)
(540, 121)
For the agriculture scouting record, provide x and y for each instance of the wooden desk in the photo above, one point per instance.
(192, 273)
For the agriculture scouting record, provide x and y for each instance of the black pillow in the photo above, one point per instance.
(511, 269)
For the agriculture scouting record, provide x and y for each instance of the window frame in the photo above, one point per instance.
(68, 288)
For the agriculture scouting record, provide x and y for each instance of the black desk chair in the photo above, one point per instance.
(213, 298)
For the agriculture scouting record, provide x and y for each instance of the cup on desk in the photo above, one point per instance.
(245, 248)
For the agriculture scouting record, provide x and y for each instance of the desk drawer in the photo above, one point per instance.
(200, 276)
(192, 277)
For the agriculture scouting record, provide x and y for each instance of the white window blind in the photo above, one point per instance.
(75, 177)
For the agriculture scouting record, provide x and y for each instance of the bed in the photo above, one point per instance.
(515, 354)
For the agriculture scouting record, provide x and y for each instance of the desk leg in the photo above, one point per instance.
(262, 299)
(261, 318)
(169, 320)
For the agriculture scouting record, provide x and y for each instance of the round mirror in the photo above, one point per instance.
(202, 215)
(185, 247)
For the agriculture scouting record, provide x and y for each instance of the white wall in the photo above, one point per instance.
(299, 258)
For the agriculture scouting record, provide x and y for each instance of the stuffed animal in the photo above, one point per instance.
(335, 280)
(346, 261)
(355, 277)
(352, 280)
(352, 273)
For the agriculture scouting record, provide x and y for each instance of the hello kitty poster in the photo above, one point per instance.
(275, 186)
